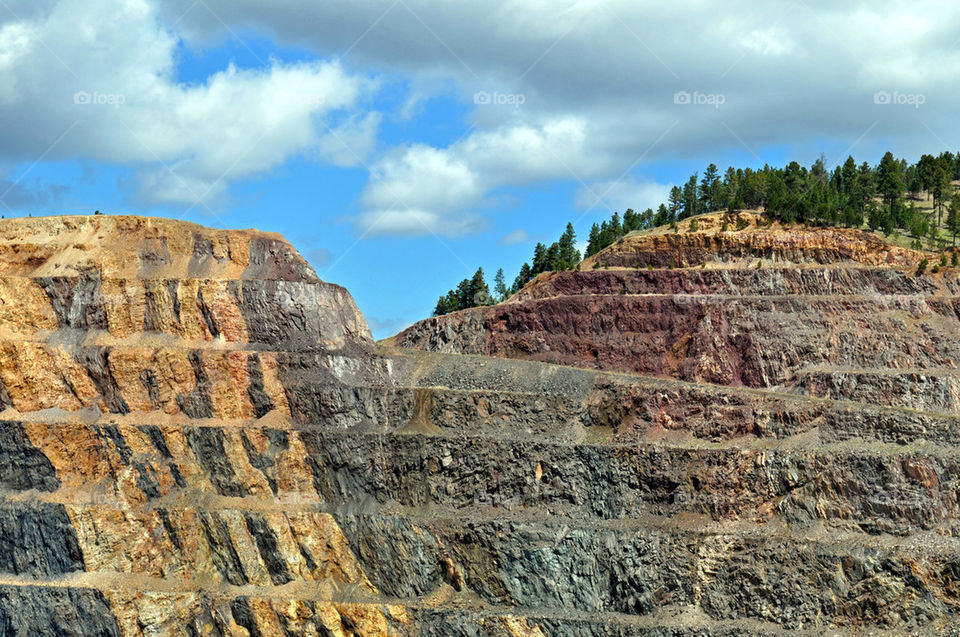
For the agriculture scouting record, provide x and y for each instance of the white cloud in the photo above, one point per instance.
(351, 142)
(768, 42)
(792, 74)
(96, 79)
(596, 78)
(622, 194)
(515, 237)
(422, 177)
(422, 189)
(417, 221)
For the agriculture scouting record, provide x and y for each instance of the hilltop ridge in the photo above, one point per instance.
(738, 240)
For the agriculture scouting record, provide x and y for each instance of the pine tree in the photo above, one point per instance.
(689, 197)
(926, 171)
(616, 229)
(866, 186)
(477, 291)
(709, 189)
(463, 295)
(593, 241)
(500, 286)
(646, 219)
(890, 183)
(663, 216)
(524, 277)
(552, 258)
(539, 259)
(848, 176)
(940, 187)
(776, 204)
(676, 203)
(569, 255)
(450, 302)
(953, 217)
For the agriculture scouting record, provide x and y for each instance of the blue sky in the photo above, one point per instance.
(401, 145)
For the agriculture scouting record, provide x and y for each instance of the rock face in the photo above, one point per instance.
(199, 437)
(826, 312)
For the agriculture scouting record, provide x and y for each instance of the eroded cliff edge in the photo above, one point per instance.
(199, 437)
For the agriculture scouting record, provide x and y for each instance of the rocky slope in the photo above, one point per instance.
(827, 312)
(199, 437)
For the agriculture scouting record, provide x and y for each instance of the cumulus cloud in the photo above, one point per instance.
(422, 189)
(790, 74)
(97, 79)
(584, 91)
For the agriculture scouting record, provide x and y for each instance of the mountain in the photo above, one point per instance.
(200, 437)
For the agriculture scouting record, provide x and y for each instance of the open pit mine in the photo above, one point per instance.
(729, 432)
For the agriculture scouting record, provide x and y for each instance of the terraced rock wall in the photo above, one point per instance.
(231, 455)
(838, 313)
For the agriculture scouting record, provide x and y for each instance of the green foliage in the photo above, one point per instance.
(943, 260)
(922, 266)
(884, 197)
(712, 192)
(953, 217)
(890, 180)
(955, 259)
(472, 292)
(523, 277)
(500, 290)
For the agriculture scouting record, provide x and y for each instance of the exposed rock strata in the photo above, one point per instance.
(200, 438)
(827, 312)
